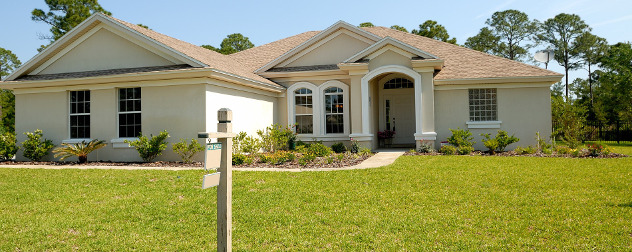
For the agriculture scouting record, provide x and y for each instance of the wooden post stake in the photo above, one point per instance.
(225, 188)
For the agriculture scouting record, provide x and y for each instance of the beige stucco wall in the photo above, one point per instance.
(523, 112)
(105, 50)
(389, 58)
(333, 51)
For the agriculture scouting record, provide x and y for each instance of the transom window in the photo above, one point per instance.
(129, 112)
(396, 83)
(483, 104)
(80, 114)
(334, 114)
(303, 110)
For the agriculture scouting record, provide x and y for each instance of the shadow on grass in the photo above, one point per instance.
(629, 204)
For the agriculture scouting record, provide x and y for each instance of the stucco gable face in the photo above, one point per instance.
(331, 50)
(103, 49)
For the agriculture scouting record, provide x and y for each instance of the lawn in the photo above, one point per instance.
(417, 203)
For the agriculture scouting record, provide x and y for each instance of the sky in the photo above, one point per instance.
(208, 21)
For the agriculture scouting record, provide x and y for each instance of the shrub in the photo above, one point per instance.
(34, 147)
(316, 149)
(425, 148)
(500, 142)
(187, 150)
(461, 138)
(150, 147)
(276, 137)
(365, 152)
(340, 156)
(278, 157)
(541, 144)
(465, 150)
(306, 158)
(448, 150)
(577, 152)
(8, 146)
(80, 150)
(239, 159)
(355, 147)
(563, 150)
(526, 150)
(338, 148)
(595, 149)
(238, 141)
(250, 145)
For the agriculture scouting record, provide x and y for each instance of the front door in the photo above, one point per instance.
(399, 116)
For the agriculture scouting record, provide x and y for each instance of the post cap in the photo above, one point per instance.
(224, 115)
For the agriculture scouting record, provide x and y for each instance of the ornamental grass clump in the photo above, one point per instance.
(79, 150)
(186, 151)
(150, 147)
(35, 148)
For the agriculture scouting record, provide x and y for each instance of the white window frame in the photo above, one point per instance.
(70, 114)
(118, 113)
(485, 124)
(322, 110)
(315, 106)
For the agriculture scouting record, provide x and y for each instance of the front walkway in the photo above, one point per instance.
(381, 158)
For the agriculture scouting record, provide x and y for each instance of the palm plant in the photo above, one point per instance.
(80, 150)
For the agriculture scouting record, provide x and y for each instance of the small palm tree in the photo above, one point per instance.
(81, 150)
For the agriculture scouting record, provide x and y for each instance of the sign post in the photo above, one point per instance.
(225, 189)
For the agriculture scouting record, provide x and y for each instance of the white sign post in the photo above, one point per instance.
(224, 177)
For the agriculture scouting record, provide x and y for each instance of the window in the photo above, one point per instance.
(483, 104)
(80, 114)
(398, 83)
(334, 114)
(129, 112)
(303, 111)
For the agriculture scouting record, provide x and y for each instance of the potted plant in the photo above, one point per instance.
(386, 138)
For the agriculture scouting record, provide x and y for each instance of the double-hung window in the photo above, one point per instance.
(334, 113)
(483, 105)
(129, 114)
(80, 114)
(304, 111)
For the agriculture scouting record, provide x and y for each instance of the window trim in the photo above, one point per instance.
(489, 124)
(315, 106)
(118, 113)
(70, 114)
(345, 109)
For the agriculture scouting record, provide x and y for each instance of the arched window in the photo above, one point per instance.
(334, 110)
(304, 111)
(398, 83)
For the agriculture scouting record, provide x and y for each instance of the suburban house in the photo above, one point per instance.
(108, 79)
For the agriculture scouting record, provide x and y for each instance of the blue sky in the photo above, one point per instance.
(208, 22)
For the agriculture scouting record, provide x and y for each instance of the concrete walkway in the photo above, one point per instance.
(381, 158)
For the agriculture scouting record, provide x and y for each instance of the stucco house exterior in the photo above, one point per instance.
(108, 79)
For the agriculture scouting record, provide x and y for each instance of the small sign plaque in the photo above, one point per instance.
(210, 180)
(214, 146)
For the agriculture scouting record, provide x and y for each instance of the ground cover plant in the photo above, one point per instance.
(417, 203)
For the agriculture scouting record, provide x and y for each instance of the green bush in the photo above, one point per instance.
(595, 149)
(563, 150)
(278, 157)
(306, 158)
(355, 147)
(461, 138)
(526, 150)
(186, 151)
(448, 150)
(35, 148)
(276, 137)
(8, 145)
(239, 159)
(365, 152)
(238, 141)
(425, 148)
(150, 147)
(500, 142)
(80, 150)
(317, 149)
(338, 148)
(465, 150)
(541, 144)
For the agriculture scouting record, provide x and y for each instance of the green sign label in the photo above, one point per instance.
(213, 146)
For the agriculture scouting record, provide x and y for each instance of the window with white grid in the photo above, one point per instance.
(334, 113)
(80, 114)
(129, 112)
(303, 111)
(396, 83)
(483, 105)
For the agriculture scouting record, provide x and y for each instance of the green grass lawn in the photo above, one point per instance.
(417, 203)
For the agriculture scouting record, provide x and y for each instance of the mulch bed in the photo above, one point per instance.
(319, 162)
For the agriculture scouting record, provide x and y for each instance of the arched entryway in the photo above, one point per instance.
(396, 108)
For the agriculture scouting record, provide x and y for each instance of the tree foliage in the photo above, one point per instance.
(231, 44)
(63, 15)
(562, 33)
(366, 24)
(8, 63)
(615, 82)
(399, 28)
(432, 29)
(506, 35)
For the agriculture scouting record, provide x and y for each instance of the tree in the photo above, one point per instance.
(561, 32)
(8, 63)
(63, 15)
(615, 82)
(485, 41)
(144, 26)
(590, 49)
(432, 29)
(399, 28)
(507, 30)
(366, 24)
(231, 44)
